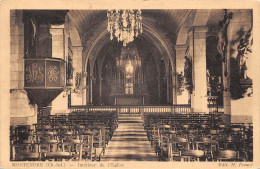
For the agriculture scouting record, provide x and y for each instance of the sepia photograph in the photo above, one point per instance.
(100, 87)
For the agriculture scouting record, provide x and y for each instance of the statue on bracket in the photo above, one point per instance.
(243, 48)
(70, 71)
(180, 83)
(78, 81)
(188, 74)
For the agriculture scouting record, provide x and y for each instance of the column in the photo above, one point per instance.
(183, 97)
(58, 50)
(100, 89)
(84, 88)
(90, 89)
(159, 90)
(60, 103)
(226, 85)
(77, 98)
(199, 76)
(118, 76)
(167, 83)
(174, 95)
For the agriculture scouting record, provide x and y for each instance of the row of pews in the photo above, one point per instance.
(74, 136)
(198, 137)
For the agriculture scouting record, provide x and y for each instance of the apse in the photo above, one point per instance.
(129, 72)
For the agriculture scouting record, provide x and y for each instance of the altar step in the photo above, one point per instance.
(130, 119)
(129, 114)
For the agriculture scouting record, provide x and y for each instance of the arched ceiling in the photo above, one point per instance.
(162, 27)
(168, 20)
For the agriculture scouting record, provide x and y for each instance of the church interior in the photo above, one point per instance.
(131, 85)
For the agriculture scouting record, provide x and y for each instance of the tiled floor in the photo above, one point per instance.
(129, 142)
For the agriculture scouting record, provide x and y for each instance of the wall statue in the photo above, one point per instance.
(188, 74)
(70, 70)
(243, 48)
(180, 83)
(78, 81)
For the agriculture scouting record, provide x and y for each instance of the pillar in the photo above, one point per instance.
(58, 48)
(77, 98)
(182, 98)
(226, 86)
(90, 89)
(84, 88)
(168, 90)
(174, 95)
(159, 90)
(100, 89)
(60, 103)
(199, 75)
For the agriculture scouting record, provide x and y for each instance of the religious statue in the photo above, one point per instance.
(78, 81)
(243, 48)
(180, 83)
(209, 87)
(70, 70)
(188, 74)
(222, 35)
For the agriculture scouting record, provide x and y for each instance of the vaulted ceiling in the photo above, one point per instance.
(161, 28)
(169, 21)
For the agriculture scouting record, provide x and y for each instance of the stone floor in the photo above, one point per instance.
(129, 142)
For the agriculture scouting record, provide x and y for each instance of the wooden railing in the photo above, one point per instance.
(180, 108)
(183, 108)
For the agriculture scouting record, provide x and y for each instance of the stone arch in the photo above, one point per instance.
(74, 36)
(100, 39)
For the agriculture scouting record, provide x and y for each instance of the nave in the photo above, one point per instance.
(111, 136)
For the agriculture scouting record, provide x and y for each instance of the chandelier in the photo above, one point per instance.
(124, 24)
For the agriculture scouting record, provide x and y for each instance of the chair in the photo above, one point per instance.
(227, 155)
(74, 147)
(58, 156)
(87, 147)
(192, 155)
(27, 156)
(175, 146)
(208, 145)
(24, 152)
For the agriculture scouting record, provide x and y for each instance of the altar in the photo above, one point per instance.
(128, 86)
(133, 99)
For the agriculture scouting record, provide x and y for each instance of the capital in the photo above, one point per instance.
(181, 47)
(57, 26)
(77, 48)
(58, 31)
(196, 29)
(84, 74)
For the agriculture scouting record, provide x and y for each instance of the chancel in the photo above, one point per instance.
(131, 85)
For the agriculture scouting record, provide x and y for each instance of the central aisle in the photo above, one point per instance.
(129, 142)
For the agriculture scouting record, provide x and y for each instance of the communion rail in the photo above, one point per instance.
(137, 109)
(185, 108)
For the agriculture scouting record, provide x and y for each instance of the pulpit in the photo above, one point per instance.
(44, 79)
